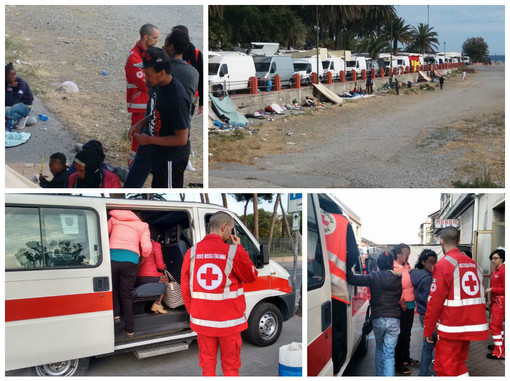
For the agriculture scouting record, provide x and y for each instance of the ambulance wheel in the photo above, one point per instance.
(76, 367)
(264, 324)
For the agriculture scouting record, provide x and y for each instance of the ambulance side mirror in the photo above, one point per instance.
(264, 253)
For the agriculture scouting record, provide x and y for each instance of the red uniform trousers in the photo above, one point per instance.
(451, 356)
(230, 354)
(135, 118)
(496, 325)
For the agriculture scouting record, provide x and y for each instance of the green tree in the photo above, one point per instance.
(373, 45)
(476, 48)
(397, 31)
(424, 39)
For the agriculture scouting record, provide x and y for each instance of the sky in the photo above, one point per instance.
(391, 215)
(233, 205)
(456, 23)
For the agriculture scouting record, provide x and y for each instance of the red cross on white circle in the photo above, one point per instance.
(209, 276)
(470, 283)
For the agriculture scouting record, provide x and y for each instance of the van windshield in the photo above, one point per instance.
(300, 66)
(262, 66)
(213, 68)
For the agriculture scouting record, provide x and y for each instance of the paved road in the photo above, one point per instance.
(377, 147)
(256, 361)
(478, 364)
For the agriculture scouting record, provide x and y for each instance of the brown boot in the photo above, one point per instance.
(158, 308)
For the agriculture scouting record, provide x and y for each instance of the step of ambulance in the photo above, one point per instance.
(160, 350)
(154, 324)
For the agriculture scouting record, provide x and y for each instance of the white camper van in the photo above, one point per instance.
(319, 299)
(263, 48)
(267, 67)
(334, 65)
(58, 288)
(230, 71)
(357, 63)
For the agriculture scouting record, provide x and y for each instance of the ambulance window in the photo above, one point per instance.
(246, 241)
(315, 261)
(51, 238)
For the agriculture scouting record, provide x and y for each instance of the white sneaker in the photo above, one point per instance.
(20, 123)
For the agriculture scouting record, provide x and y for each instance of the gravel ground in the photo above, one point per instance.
(414, 140)
(76, 43)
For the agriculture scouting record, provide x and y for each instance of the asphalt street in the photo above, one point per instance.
(477, 363)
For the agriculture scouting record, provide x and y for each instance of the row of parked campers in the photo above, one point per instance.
(58, 289)
(230, 71)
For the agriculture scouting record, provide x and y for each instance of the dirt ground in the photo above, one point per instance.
(433, 138)
(78, 43)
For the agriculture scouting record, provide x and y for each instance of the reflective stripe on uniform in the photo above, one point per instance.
(223, 296)
(169, 174)
(337, 262)
(464, 302)
(496, 337)
(192, 253)
(131, 86)
(137, 106)
(218, 324)
(456, 280)
(228, 268)
(498, 343)
(463, 328)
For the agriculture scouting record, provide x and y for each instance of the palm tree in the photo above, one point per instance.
(424, 39)
(373, 45)
(397, 31)
(216, 11)
(372, 20)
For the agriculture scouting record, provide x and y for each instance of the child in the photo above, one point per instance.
(58, 169)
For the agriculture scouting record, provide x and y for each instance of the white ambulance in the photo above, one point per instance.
(58, 289)
(319, 299)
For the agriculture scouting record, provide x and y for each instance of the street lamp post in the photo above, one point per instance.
(444, 52)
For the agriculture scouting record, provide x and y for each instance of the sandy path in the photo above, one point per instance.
(386, 142)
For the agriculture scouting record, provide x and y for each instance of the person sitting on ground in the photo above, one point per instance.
(58, 168)
(18, 97)
(89, 173)
(150, 270)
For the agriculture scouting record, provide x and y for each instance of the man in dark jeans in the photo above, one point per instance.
(165, 130)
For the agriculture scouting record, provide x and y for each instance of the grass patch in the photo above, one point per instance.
(427, 87)
(236, 147)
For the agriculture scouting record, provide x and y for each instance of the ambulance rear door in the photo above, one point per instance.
(318, 295)
(58, 293)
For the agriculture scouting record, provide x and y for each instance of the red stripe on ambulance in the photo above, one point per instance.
(269, 283)
(319, 352)
(51, 306)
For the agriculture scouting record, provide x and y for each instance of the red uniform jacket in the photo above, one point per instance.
(498, 282)
(136, 88)
(456, 300)
(335, 231)
(212, 277)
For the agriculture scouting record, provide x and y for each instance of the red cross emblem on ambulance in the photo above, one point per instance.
(209, 276)
(470, 283)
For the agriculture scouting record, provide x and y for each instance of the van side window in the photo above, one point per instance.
(315, 261)
(42, 238)
(223, 70)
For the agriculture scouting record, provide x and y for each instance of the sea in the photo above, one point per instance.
(496, 58)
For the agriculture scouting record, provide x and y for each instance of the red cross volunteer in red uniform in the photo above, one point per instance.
(212, 279)
(136, 88)
(497, 298)
(456, 305)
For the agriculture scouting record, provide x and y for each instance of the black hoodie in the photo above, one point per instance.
(385, 290)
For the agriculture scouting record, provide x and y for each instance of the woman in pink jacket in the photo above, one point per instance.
(150, 271)
(402, 351)
(129, 239)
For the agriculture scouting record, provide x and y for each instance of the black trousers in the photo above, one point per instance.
(402, 350)
(166, 172)
(339, 325)
(123, 279)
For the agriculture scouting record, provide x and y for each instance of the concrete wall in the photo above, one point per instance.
(249, 103)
